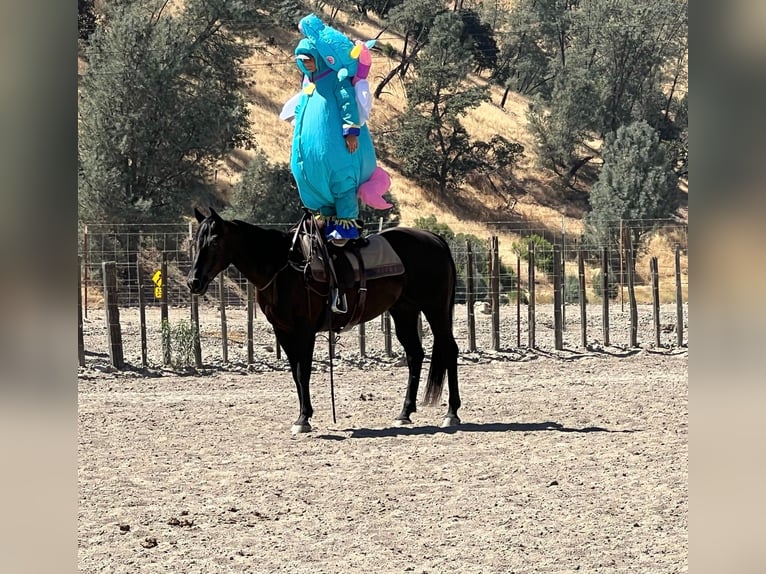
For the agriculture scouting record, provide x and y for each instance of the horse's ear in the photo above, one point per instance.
(214, 215)
(198, 215)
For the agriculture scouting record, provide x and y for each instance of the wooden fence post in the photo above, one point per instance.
(605, 293)
(623, 255)
(112, 313)
(679, 300)
(469, 298)
(563, 274)
(518, 301)
(224, 328)
(164, 319)
(362, 340)
(632, 298)
(250, 316)
(80, 337)
(194, 310)
(655, 273)
(494, 282)
(583, 299)
(141, 312)
(531, 306)
(86, 256)
(195, 331)
(558, 322)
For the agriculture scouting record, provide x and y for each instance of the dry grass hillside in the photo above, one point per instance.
(535, 199)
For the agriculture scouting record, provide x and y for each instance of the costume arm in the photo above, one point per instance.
(349, 112)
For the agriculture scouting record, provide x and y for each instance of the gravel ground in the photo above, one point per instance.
(566, 461)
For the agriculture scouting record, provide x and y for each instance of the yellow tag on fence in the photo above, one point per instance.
(158, 292)
(157, 278)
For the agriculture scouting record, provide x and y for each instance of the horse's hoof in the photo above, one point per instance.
(402, 422)
(450, 421)
(300, 429)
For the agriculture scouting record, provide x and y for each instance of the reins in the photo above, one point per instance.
(273, 277)
(331, 346)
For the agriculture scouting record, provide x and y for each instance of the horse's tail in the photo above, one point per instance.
(445, 349)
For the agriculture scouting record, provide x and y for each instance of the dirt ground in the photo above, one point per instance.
(566, 461)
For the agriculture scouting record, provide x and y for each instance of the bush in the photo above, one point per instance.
(182, 340)
(457, 243)
(388, 50)
(543, 252)
(611, 284)
(511, 296)
(572, 289)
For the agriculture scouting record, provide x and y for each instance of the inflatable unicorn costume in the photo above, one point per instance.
(333, 104)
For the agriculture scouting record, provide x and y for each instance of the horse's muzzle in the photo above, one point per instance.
(196, 287)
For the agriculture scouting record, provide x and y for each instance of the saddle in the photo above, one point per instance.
(345, 267)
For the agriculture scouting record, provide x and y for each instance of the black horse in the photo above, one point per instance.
(298, 309)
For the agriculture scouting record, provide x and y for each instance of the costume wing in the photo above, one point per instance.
(288, 110)
(363, 100)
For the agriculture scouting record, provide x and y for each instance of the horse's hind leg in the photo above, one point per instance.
(406, 325)
(444, 359)
(451, 419)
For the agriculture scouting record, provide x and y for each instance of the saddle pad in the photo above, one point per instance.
(380, 260)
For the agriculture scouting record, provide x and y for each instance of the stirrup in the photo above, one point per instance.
(339, 304)
(338, 242)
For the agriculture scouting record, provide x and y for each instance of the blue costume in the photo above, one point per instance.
(327, 174)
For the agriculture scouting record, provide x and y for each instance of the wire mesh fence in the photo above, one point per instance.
(136, 248)
(530, 281)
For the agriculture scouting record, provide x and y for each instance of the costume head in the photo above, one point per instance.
(334, 46)
(306, 48)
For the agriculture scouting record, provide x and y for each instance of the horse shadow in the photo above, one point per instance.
(467, 427)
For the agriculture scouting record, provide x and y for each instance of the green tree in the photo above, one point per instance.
(86, 19)
(428, 139)
(378, 7)
(480, 38)
(561, 126)
(266, 194)
(160, 104)
(637, 183)
(413, 19)
(620, 62)
(534, 43)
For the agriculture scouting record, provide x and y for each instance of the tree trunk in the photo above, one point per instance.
(505, 97)
(384, 82)
(577, 165)
(400, 69)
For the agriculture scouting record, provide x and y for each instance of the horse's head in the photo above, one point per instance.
(213, 255)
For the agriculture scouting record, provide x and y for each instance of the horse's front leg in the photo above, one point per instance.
(299, 348)
(406, 326)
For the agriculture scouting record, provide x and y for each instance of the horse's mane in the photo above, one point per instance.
(251, 228)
